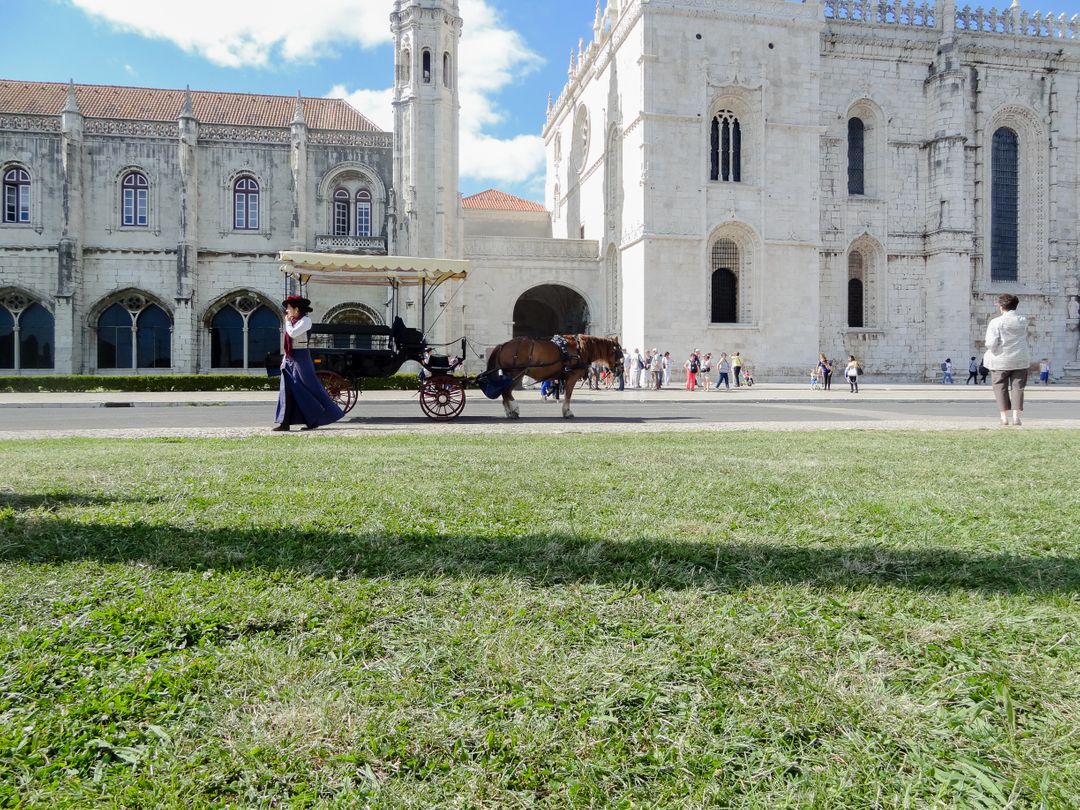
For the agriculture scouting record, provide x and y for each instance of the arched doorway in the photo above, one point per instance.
(550, 309)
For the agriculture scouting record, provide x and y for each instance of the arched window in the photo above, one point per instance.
(446, 70)
(242, 333)
(341, 212)
(406, 66)
(246, 204)
(26, 333)
(855, 303)
(363, 212)
(856, 183)
(354, 315)
(153, 337)
(115, 338)
(1004, 205)
(135, 198)
(725, 282)
(725, 148)
(426, 59)
(134, 333)
(16, 195)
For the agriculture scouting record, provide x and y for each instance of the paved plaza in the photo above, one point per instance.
(778, 407)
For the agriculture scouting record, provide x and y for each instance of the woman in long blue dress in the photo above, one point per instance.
(301, 396)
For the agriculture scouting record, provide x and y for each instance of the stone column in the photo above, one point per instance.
(299, 165)
(185, 318)
(69, 334)
(948, 205)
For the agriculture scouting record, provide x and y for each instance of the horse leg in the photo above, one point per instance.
(511, 407)
(571, 382)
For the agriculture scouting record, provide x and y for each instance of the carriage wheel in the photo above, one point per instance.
(338, 388)
(442, 397)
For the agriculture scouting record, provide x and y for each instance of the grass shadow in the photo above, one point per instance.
(542, 559)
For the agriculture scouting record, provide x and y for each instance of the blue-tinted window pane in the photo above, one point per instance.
(7, 339)
(114, 338)
(36, 338)
(1005, 206)
(154, 338)
(264, 335)
(227, 339)
(855, 174)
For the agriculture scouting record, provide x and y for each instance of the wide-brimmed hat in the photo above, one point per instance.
(298, 301)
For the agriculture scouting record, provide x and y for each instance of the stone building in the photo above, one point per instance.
(761, 176)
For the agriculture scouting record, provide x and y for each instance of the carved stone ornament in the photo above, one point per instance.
(134, 303)
(225, 132)
(245, 304)
(15, 302)
(333, 137)
(137, 129)
(30, 123)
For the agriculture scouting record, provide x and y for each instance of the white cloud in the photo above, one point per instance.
(235, 33)
(260, 33)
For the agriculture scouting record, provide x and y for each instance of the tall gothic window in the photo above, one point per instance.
(425, 59)
(246, 204)
(341, 212)
(16, 195)
(856, 181)
(855, 301)
(725, 148)
(135, 191)
(1004, 205)
(363, 213)
(725, 282)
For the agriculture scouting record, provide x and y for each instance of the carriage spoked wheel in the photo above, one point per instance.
(442, 397)
(339, 389)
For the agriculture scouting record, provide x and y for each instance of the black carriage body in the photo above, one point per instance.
(360, 351)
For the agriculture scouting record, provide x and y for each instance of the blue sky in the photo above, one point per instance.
(514, 53)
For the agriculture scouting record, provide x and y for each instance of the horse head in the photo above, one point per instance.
(604, 350)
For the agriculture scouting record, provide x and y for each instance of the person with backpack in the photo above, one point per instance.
(973, 371)
(946, 371)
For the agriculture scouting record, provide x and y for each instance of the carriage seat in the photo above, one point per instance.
(407, 339)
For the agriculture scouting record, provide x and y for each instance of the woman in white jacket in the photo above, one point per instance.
(1008, 358)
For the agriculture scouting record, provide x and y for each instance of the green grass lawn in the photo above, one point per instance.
(659, 620)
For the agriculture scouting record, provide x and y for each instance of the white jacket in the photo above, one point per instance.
(1006, 343)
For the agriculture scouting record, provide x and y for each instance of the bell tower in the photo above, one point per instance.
(426, 36)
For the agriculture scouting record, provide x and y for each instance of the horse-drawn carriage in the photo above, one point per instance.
(346, 354)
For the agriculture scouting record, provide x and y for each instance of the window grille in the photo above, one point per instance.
(855, 172)
(725, 282)
(1004, 205)
(725, 148)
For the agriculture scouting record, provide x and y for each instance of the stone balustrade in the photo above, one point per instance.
(368, 245)
(1011, 21)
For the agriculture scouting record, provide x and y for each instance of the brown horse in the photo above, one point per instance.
(541, 359)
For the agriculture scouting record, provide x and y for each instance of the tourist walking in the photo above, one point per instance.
(825, 372)
(736, 367)
(666, 365)
(851, 371)
(983, 370)
(1007, 356)
(656, 371)
(1044, 371)
(973, 371)
(636, 366)
(723, 366)
(301, 395)
(946, 371)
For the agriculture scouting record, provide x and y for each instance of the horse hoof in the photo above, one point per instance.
(568, 415)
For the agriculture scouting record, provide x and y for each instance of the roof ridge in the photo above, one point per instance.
(176, 90)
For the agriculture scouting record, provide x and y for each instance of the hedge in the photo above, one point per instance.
(173, 382)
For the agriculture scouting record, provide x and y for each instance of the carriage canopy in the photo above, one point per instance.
(376, 271)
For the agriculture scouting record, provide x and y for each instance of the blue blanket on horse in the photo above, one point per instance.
(494, 383)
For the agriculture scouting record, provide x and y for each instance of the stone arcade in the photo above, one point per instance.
(759, 176)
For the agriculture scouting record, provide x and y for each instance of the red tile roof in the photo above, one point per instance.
(151, 104)
(493, 200)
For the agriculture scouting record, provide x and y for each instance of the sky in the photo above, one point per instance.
(513, 54)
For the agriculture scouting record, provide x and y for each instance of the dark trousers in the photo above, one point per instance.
(973, 375)
(738, 375)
